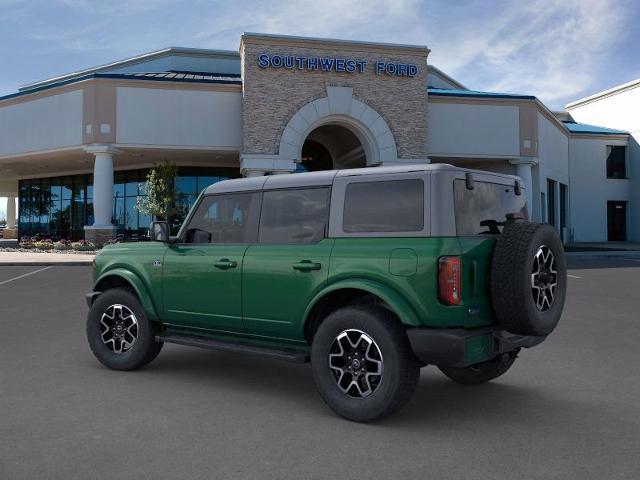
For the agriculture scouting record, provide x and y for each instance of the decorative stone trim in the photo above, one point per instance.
(339, 107)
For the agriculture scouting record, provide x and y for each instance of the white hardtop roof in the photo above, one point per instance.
(326, 177)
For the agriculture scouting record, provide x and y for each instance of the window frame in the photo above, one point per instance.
(340, 184)
(325, 233)
(180, 238)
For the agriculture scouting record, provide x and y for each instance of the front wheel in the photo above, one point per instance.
(119, 333)
(362, 363)
(481, 372)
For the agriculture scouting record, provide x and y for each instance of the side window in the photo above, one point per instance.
(225, 218)
(384, 206)
(294, 216)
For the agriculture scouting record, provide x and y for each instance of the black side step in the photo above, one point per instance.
(204, 342)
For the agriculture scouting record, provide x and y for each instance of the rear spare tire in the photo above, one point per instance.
(528, 278)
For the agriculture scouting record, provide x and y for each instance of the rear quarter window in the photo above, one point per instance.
(384, 206)
(483, 209)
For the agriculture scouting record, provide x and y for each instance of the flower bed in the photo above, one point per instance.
(47, 245)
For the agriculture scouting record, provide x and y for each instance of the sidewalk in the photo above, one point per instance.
(45, 259)
(605, 246)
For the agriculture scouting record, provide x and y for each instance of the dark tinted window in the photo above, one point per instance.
(231, 218)
(616, 163)
(481, 210)
(294, 216)
(386, 206)
(551, 202)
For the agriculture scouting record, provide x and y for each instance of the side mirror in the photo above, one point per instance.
(160, 231)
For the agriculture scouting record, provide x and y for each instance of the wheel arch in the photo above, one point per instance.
(349, 291)
(121, 278)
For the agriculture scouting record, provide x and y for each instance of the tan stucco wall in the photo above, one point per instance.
(272, 96)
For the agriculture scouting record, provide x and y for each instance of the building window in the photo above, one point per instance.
(563, 205)
(616, 162)
(60, 207)
(551, 202)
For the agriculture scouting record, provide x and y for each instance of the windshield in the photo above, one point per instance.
(484, 209)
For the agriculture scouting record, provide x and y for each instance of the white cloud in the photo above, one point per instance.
(544, 47)
(549, 48)
(554, 49)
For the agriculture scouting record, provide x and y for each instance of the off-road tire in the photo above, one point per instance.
(400, 369)
(514, 300)
(143, 350)
(481, 372)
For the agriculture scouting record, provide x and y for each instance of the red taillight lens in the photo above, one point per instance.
(449, 280)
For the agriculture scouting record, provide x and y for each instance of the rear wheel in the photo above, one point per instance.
(481, 372)
(119, 333)
(362, 363)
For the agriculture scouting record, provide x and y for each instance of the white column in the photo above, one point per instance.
(102, 185)
(11, 211)
(523, 170)
(252, 173)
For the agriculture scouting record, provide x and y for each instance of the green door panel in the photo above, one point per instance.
(278, 282)
(202, 286)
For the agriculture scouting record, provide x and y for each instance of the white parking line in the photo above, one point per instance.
(573, 276)
(25, 275)
(633, 259)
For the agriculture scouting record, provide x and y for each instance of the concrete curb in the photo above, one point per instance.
(610, 253)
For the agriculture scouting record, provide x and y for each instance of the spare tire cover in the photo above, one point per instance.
(528, 278)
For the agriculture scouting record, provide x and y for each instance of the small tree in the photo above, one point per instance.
(160, 200)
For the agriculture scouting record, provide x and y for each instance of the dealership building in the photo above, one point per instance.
(75, 149)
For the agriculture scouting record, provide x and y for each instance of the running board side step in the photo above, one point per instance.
(211, 344)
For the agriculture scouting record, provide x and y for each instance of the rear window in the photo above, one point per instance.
(385, 206)
(484, 209)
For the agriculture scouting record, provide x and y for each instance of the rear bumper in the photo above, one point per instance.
(457, 347)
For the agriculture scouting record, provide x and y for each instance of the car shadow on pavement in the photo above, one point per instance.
(437, 401)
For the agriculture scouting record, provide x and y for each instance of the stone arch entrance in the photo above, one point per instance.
(333, 146)
(347, 130)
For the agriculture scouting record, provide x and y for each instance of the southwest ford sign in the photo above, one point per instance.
(331, 64)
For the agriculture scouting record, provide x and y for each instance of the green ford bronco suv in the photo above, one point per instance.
(369, 273)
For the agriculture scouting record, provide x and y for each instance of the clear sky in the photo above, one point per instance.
(559, 50)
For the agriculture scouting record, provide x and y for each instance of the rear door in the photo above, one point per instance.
(289, 265)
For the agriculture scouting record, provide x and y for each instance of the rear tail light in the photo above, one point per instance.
(449, 291)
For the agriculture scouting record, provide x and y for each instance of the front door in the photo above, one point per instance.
(202, 271)
(617, 221)
(290, 263)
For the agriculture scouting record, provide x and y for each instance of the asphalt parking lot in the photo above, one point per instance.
(569, 408)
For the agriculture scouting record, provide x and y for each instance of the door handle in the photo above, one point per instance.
(306, 266)
(225, 263)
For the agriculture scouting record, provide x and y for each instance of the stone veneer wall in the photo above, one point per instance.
(271, 96)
